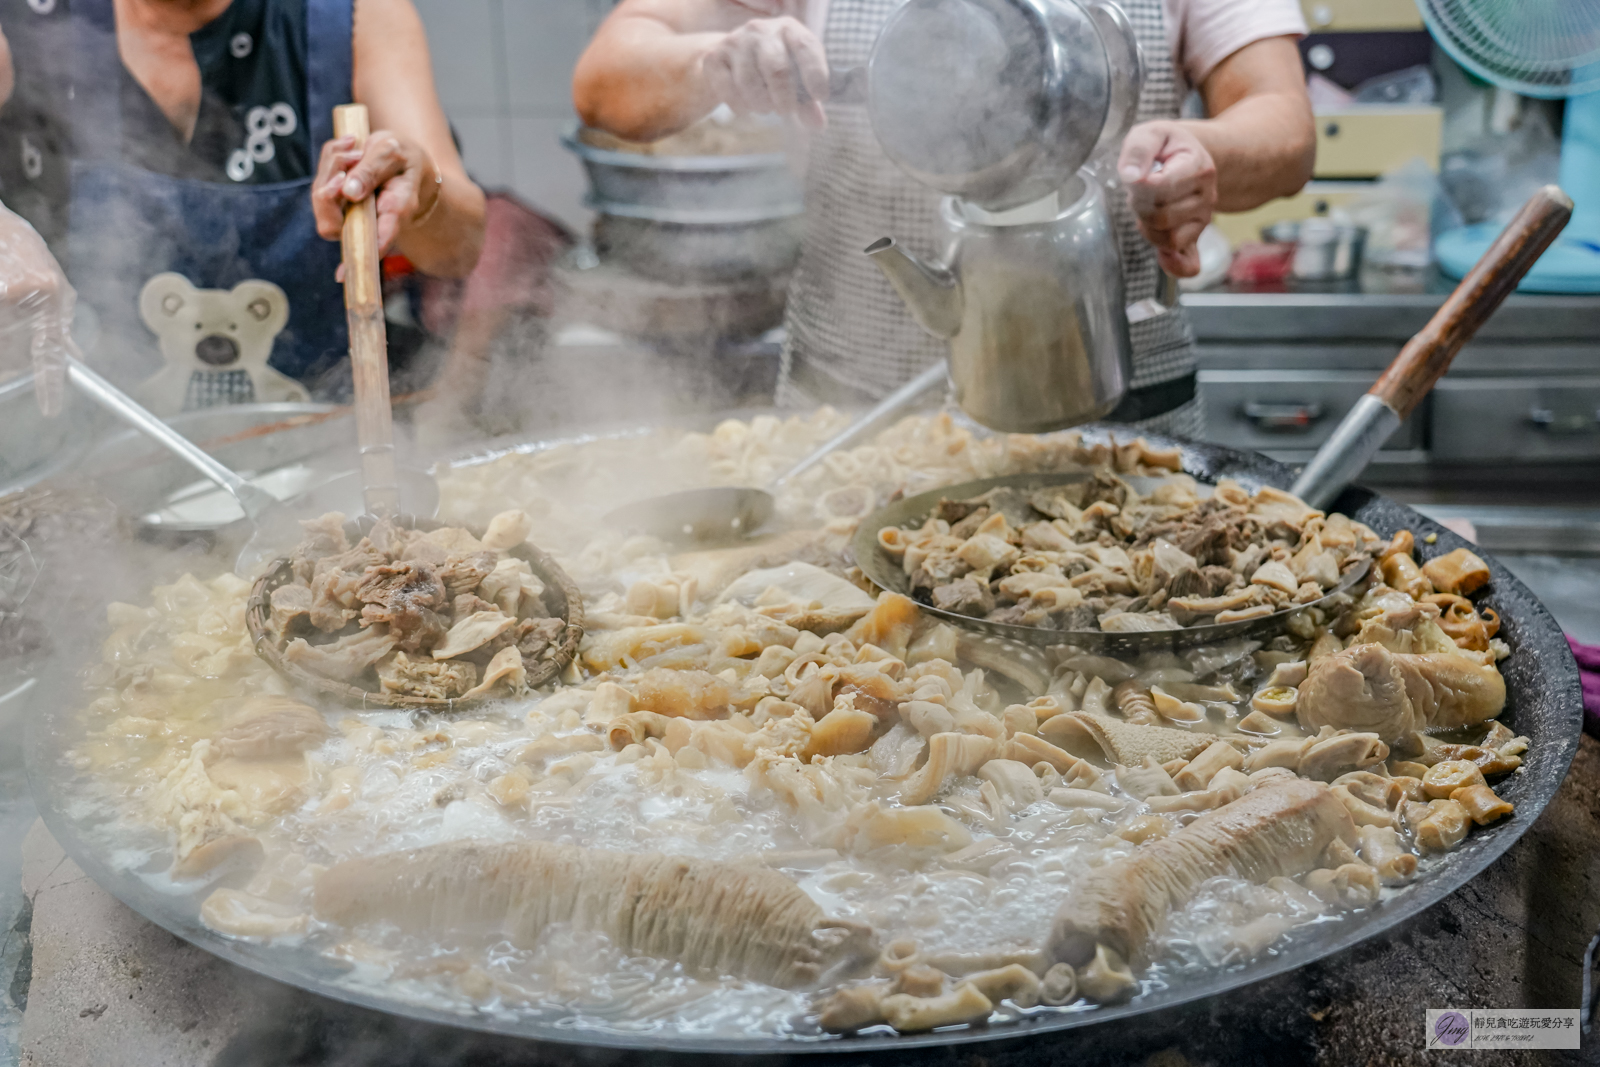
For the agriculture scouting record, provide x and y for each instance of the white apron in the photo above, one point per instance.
(851, 339)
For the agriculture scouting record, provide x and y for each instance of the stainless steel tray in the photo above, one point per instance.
(1543, 702)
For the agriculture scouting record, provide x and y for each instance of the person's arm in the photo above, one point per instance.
(1258, 144)
(8, 72)
(656, 66)
(428, 209)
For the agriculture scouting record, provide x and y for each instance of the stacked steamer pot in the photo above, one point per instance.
(716, 203)
(694, 239)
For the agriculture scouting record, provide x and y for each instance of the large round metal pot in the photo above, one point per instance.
(1544, 703)
(709, 189)
(671, 250)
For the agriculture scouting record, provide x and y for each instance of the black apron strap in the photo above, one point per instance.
(328, 67)
(1151, 400)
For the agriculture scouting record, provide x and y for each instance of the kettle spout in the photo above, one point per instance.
(932, 293)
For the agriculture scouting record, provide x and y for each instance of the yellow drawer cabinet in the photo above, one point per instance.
(1325, 15)
(1316, 200)
(1364, 141)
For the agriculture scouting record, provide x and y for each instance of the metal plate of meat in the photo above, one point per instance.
(886, 573)
(1544, 703)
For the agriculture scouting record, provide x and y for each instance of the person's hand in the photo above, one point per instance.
(36, 302)
(1172, 188)
(403, 173)
(761, 67)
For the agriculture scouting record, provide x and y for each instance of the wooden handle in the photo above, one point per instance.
(369, 344)
(1426, 357)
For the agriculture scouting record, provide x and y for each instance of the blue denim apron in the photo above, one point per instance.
(129, 224)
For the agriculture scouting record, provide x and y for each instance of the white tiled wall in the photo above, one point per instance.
(504, 71)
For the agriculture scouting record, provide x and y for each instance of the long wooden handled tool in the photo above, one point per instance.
(1426, 357)
(369, 345)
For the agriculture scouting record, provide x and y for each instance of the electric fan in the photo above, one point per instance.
(1544, 48)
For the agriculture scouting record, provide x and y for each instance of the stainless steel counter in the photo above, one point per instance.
(1515, 422)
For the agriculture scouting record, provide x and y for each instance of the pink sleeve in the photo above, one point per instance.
(1210, 31)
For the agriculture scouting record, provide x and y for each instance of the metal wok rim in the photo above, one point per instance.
(879, 567)
(1531, 630)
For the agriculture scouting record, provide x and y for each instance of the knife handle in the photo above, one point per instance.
(1426, 357)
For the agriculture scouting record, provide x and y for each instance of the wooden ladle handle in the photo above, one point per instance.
(369, 344)
(1426, 357)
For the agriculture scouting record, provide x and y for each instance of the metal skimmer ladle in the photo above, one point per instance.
(254, 500)
(724, 513)
(275, 522)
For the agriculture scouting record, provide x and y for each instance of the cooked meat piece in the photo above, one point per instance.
(415, 630)
(409, 597)
(290, 605)
(1209, 541)
(473, 631)
(1059, 501)
(324, 537)
(507, 530)
(268, 727)
(1105, 487)
(953, 511)
(331, 591)
(1130, 622)
(536, 637)
(1082, 617)
(1135, 519)
(467, 604)
(1221, 578)
(463, 573)
(1189, 582)
(714, 918)
(343, 660)
(1276, 829)
(427, 678)
(1367, 687)
(336, 583)
(1012, 616)
(505, 666)
(387, 538)
(939, 569)
(965, 597)
(1189, 608)
(515, 589)
(1010, 502)
(969, 525)
(688, 694)
(422, 550)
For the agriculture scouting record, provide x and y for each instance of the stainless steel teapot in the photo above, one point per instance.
(1017, 108)
(1033, 310)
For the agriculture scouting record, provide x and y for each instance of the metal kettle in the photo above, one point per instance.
(1017, 108)
(1033, 310)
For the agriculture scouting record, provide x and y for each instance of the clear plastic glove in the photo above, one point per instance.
(772, 64)
(36, 303)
